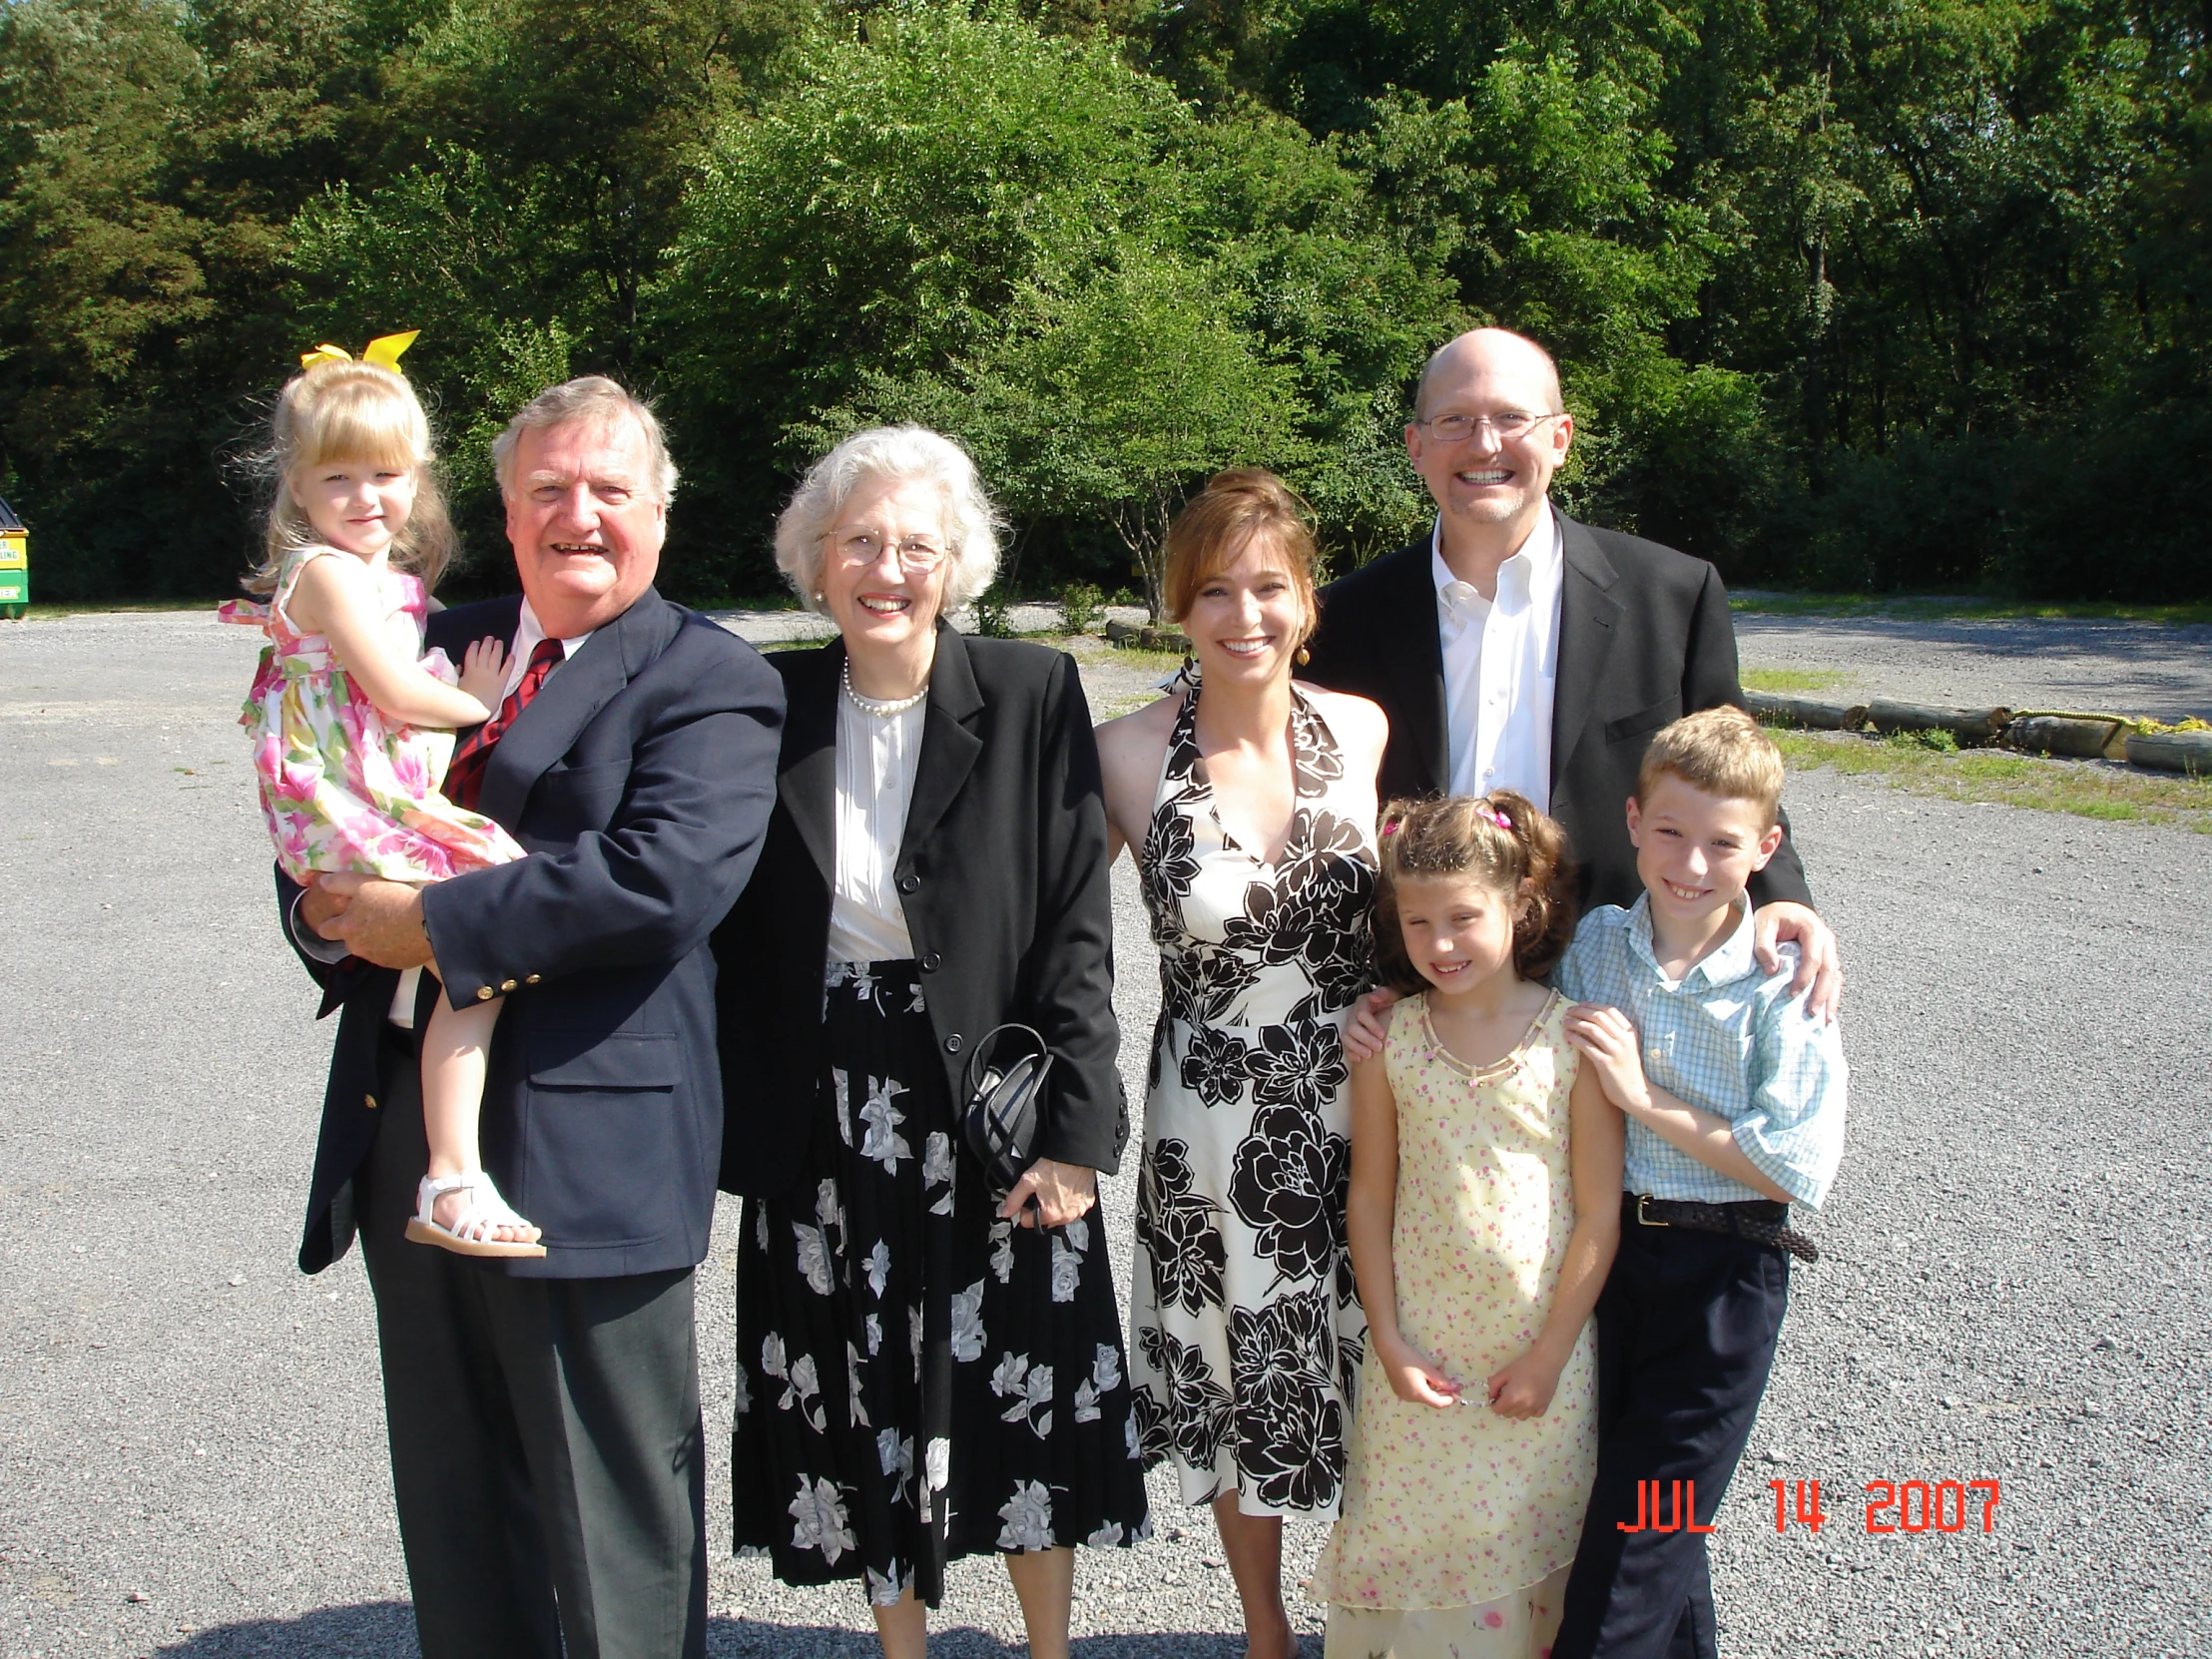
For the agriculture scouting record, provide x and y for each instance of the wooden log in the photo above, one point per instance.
(2082, 736)
(1163, 639)
(1118, 631)
(2189, 752)
(1775, 709)
(1967, 724)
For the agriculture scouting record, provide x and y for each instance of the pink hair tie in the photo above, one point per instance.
(1389, 829)
(1496, 817)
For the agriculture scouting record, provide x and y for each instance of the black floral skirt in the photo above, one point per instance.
(917, 1379)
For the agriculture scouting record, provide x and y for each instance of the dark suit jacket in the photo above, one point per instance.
(640, 781)
(1644, 638)
(1001, 873)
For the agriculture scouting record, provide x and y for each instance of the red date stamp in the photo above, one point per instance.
(1897, 1506)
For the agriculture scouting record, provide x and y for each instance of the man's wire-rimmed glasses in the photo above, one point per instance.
(1513, 423)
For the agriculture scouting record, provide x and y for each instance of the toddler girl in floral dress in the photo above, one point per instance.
(1484, 1214)
(345, 713)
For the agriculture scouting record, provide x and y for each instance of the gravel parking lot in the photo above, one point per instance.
(191, 1458)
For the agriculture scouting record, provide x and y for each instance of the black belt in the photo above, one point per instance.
(1762, 1221)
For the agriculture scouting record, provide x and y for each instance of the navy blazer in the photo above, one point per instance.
(640, 781)
(1002, 876)
(1645, 638)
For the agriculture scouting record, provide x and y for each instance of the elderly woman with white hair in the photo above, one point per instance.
(929, 1366)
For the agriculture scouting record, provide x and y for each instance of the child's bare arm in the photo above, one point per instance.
(1609, 1041)
(1371, 1211)
(336, 598)
(1523, 1388)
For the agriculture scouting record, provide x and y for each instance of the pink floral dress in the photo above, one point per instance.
(344, 787)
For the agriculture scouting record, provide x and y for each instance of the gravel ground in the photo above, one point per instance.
(192, 1459)
(2128, 668)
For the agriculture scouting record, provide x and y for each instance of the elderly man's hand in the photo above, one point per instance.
(379, 922)
(321, 908)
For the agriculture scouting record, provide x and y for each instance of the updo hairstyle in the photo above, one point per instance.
(1211, 530)
(1526, 859)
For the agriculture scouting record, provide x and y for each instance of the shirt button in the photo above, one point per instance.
(529, 979)
(369, 1101)
(484, 993)
(507, 985)
(952, 1043)
(932, 962)
(908, 884)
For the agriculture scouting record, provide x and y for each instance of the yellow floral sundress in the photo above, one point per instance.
(1459, 1525)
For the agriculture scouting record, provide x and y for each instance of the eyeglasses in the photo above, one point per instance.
(915, 556)
(1453, 428)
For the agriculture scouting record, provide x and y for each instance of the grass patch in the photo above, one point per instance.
(1939, 607)
(2085, 789)
(1781, 680)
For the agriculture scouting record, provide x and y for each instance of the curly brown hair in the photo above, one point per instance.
(1526, 857)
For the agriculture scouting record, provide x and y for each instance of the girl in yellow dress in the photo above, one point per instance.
(1484, 1214)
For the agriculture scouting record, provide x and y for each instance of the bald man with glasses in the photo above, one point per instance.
(1513, 648)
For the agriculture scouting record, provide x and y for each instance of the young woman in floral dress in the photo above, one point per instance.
(1249, 803)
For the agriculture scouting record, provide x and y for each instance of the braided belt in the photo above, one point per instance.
(1762, 1222)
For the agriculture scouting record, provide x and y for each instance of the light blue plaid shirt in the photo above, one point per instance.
(1727, 1039)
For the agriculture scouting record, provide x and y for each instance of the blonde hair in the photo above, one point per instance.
(1524, 857)
(1213, 528)
(908, 454)
(351, 413)
(1722, 753)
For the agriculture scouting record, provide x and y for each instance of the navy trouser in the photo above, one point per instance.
(1686, 1329)
(547, 1452)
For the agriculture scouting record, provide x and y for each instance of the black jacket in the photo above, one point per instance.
(1645, 638)
(640, 781)
(1002, 876)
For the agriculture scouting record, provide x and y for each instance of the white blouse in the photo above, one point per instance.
(877, 755)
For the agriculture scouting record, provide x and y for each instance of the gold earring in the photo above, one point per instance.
(1304, 656)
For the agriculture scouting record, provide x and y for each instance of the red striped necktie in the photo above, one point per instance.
(464, 779)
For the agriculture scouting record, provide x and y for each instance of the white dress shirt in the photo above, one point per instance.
(877, 756)
(1501, 667)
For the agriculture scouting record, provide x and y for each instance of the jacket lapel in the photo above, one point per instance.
(1588, 615)
(949, 745)
(1416, 662)
(806, 773)
(573, 693)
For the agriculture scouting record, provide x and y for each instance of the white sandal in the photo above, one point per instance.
(485, 1211)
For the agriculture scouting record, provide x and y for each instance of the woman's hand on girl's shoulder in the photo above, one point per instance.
(1369, 1024)
(1523, 1388)
(1414, 1378)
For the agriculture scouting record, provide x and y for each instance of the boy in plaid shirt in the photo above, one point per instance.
(1734, 1096)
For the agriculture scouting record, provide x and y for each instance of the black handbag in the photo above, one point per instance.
(1005, 1103)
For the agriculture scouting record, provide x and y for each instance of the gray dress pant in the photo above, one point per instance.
(547, 1452)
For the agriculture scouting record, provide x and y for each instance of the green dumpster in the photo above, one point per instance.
(15, 565)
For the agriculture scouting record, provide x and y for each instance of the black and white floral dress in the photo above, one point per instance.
(1248, 1333)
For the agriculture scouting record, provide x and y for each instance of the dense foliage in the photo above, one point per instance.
(1869, 293)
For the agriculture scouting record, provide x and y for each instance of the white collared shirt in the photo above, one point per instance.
(1501, 665)
(527, 634)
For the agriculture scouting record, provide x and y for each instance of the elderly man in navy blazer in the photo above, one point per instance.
(1513, 648)
(546, 1441)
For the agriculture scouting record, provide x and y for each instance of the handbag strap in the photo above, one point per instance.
(984, 1048)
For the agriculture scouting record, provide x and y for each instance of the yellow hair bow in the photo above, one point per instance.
(383, 350)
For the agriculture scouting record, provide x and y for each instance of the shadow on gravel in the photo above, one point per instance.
(374, 1630)
(385, 1630)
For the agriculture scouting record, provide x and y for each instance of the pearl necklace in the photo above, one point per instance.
(882, 707)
